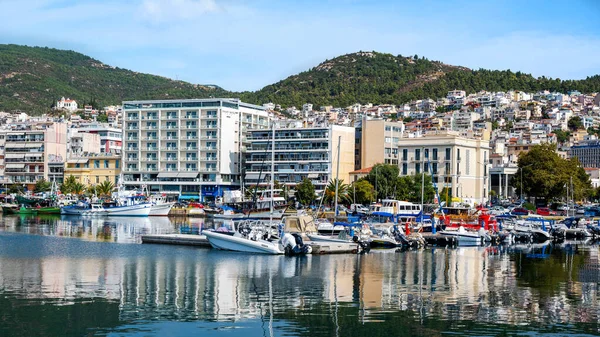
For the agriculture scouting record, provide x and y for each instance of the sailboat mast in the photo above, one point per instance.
(337, 174)
(272, 171)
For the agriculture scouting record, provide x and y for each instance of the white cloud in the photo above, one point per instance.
(170, 10)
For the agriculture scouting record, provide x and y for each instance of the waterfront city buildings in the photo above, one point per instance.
(30, 149)
(189, 148)
(301, 152)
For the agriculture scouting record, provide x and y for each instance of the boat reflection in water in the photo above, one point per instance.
(128, 288)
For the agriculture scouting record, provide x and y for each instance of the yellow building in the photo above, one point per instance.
(93, 170)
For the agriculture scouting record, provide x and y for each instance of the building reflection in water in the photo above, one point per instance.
(155, 282)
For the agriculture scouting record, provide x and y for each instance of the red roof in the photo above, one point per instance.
(366, 170)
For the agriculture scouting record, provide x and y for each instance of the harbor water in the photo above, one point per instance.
(93, 277)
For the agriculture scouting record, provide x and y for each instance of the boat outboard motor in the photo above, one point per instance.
(293, 245)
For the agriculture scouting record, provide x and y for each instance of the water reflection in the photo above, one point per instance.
(477, 291)
(108, 229)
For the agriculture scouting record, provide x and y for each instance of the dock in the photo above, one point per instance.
(177, 239)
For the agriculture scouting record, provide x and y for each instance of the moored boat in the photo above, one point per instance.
(463, 237)
(84, 209)
(48, 210)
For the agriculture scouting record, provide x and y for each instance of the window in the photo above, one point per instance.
(97, 179)
(105, 178)
(105, 163)
(458, 154)
(117, 163)
(96, 164)
(86, 164)
(435, 154)
(426, 168)
(418, 167)
(77, 165)
(468, 161)
(417, 154)
(404, 154)
(448, 150)
(404, 169)
(426, 153)
(434, 168)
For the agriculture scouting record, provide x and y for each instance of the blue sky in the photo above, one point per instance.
(245, 45)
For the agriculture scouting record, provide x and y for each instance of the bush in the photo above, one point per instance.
(529, 206)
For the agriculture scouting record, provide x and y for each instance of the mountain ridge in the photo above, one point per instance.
(33, 78)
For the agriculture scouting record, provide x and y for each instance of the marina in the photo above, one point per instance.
(98, 265)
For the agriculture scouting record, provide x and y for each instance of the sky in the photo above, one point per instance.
(245, 45)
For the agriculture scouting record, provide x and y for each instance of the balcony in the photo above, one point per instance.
(191, 148)
(208, 148)
(191, 117)
(150, 138)
(131, 159)
(133, 127)
(209, 169)
(210, 126)
(208, 137)
(133, 118)
(208, 159)
(169, 159)
(150, 159)
(168, 117)
(169, 138)
(171, 127)
(131, 169)
(191, 137)
(134, 149)
(209, 117)
(168, 148)
(133, 138)
(190, 159)
(151, 127)
(153, 169)
(151, 149)
(151, 117)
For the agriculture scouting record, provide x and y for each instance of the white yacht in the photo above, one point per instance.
(463, 237)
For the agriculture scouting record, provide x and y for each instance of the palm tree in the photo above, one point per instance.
(77, 188)
(91, 190)
(343, 192)
(105, 188)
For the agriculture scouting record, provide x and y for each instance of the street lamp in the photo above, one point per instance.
(521, 194)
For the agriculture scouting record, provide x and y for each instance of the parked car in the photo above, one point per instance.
(545, 211)
(519, 211)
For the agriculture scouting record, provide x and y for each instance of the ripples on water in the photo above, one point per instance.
(55, 286)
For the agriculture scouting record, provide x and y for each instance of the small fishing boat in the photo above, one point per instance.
(131, 206)
(48, 210)
(10, 208)
(26, 210)
(84, 209)
(227, 212)
(160, 206)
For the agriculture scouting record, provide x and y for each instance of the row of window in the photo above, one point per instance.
(97, 164)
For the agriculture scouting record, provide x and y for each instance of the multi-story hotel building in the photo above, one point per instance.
(189, 147)
(459, 163)
(29, 148)
(300, 152)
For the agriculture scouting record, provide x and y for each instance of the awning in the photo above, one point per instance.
(33, 145)
(187, 197)
(15, 146)
(30, 155)
(16, 134)
(313, 175)
(187, 175)
(167, 175)
(16, 166)
(253, 176)
(77, 161)
(14, 155)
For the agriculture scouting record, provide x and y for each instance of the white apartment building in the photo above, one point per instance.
(300, 152)
(458, 163)
(188, 147)
(111, 138)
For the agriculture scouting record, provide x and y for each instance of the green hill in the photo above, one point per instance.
(32, 78)
(371, 77)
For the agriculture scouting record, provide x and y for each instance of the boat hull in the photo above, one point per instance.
(464, 239)
(239, 244)
(132, 210)
(82, 212)
(326, 238)
(49, 210)
(161, 209)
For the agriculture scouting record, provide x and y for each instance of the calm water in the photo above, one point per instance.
(72, 277)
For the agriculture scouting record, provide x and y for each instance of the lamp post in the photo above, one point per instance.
(521, 194)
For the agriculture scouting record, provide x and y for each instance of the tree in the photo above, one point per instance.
(547, 175)
(67, 186)
(409, 188)
(384, 178)
(91, 190)
(575, 123)
(77, 188)
(362, 191)
(102, 118)
(562, 136)
(16, 189)
(342, 192)
(42, 186)
(305, 192)
(105, 188)
(446, 195)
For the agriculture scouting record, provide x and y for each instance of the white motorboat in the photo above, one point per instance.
(239, 243)
(463, 237)
(537, 233)
(84, 209)
(160, 206)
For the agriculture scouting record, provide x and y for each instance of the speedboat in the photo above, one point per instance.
(463, 237)
(252, 236)
(537, 234)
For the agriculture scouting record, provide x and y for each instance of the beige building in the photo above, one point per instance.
(378, 142)
(458, 163)
(29, 148)
(92, 170)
